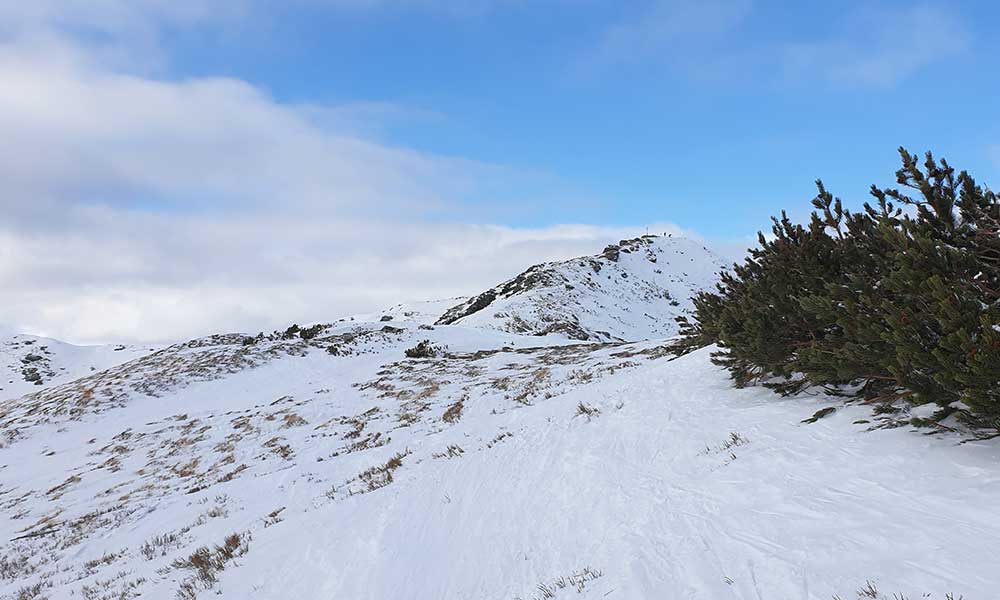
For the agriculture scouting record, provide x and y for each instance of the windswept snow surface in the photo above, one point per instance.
(634, 290)
(507, 467)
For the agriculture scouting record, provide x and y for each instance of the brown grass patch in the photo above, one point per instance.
(380, 476)
(454, 412)
(206, 563)
(292, 420)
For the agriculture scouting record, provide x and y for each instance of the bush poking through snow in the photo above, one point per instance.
(310, 332)
(31, 375)
(424, 349)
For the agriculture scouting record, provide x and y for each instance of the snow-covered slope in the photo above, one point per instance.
(424, 311)
(504, 467)
(29, 363)
(509, 461)
(632, 291)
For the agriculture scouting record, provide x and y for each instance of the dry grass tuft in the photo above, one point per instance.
(15, 567)
(499, 438)
(454, 412)
(583, 410)
(283, 450)
(57, 492)
(870, 592)
(158, 545)
(31, 592)
(292, 420)
(206, 563)
(274, 517)
(734, 441)
(229, 476)
(576, 581)
(374, 440)
(380, 476)
(453, 451)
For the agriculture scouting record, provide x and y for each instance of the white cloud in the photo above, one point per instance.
(140, 208)
(121, 275)
(668, 23)
(867, 45)
(682, 34)
(77, 130)
(112, 16)
(881, 48)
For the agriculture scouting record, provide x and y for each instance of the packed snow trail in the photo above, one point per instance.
(659, 497)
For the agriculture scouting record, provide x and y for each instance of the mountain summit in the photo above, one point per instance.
(633, 290)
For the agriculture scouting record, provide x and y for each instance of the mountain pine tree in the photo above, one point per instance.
(900, 300)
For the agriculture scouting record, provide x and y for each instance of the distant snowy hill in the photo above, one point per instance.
(426, 311)
(29, 363)
(632, 291)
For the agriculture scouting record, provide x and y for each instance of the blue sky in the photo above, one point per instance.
(174, 168)
(710, 115)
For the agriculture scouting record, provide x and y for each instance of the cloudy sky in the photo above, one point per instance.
(171, 168)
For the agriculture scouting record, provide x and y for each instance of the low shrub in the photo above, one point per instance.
(423, 349)
(310, 332)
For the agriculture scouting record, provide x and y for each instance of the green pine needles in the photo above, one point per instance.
(900, 301)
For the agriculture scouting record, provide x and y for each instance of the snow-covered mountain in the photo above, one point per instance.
(324, 462)
(29, 363)
(424, 311)
(633, 290)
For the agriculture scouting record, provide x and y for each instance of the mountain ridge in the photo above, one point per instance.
(633, 290)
